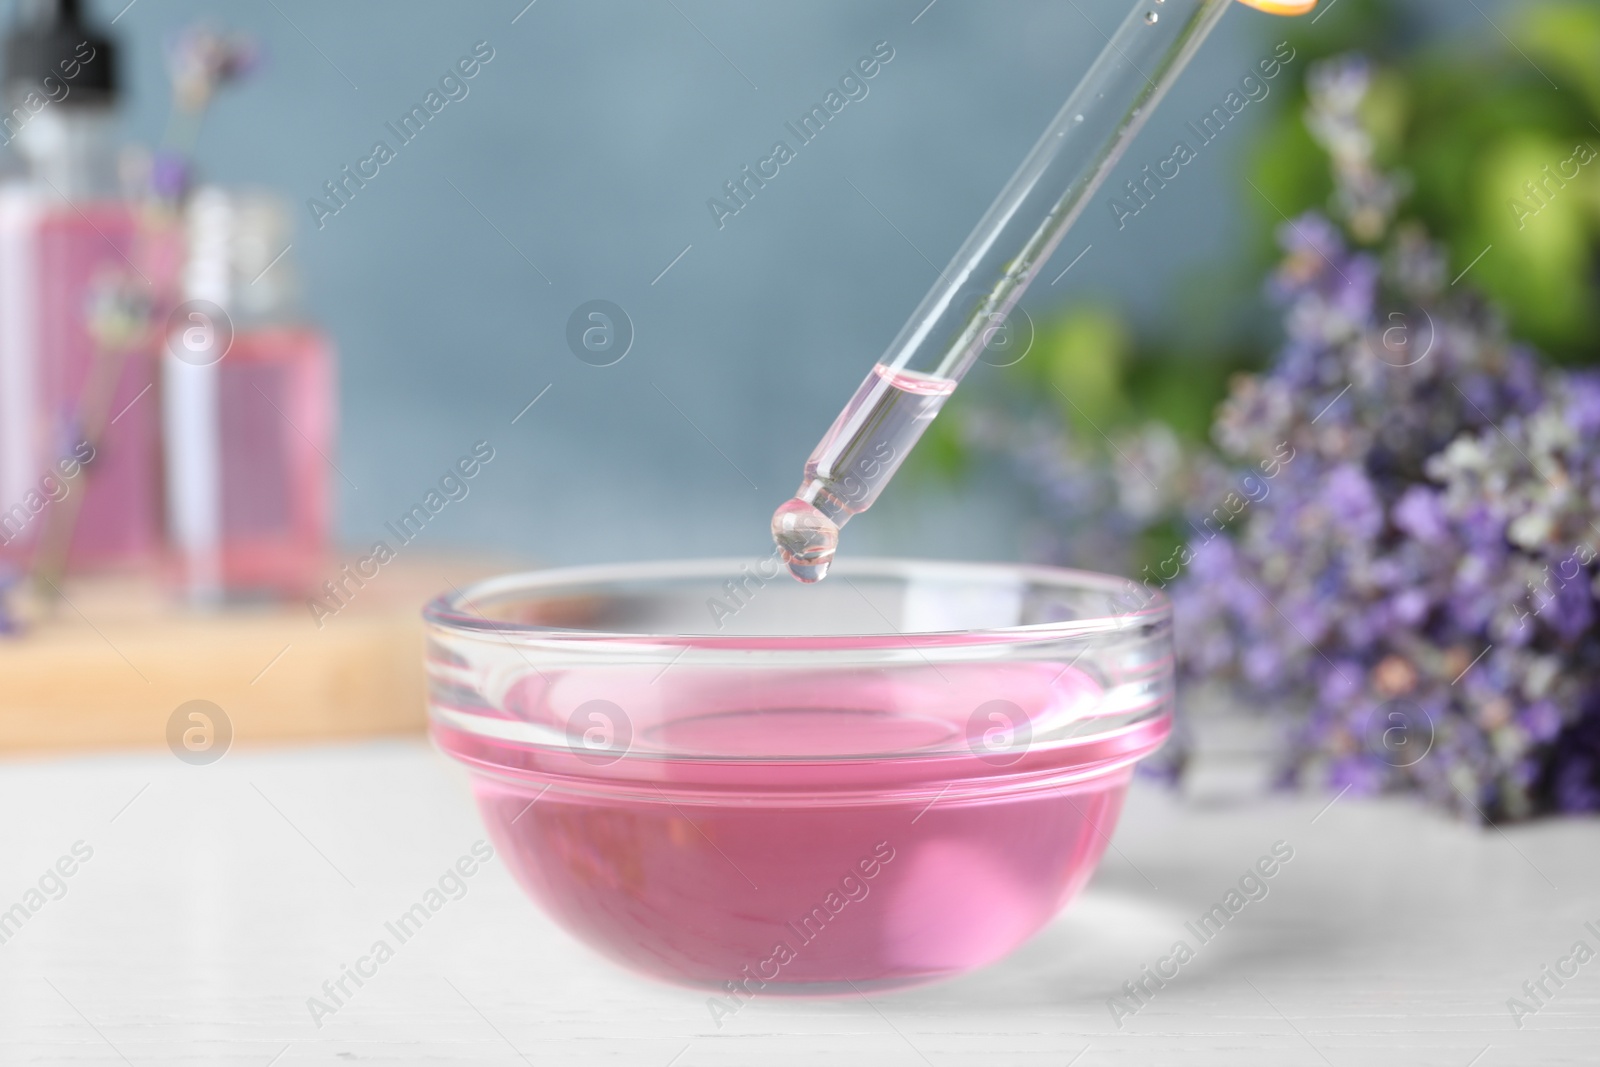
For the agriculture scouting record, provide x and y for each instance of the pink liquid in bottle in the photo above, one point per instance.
(54, 260)
(250, 406)
(277, 407)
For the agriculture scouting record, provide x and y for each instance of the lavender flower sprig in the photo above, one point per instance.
(1412, 600)
(1416, 600)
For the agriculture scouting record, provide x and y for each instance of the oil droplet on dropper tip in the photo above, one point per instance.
(806, 539)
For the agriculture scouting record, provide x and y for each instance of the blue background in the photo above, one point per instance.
(591, 143)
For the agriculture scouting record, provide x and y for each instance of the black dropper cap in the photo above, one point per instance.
(49, 40)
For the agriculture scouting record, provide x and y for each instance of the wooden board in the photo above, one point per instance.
(118, 657)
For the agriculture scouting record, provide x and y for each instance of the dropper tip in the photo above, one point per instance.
(806, 539)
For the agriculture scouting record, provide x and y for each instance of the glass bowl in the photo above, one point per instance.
(721, 778)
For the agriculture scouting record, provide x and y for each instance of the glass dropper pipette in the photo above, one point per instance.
(951, 327)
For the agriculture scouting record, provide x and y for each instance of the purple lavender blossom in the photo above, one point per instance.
(1432, 546)
(1422, 576)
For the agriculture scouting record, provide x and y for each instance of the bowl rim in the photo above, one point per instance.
(445, 611)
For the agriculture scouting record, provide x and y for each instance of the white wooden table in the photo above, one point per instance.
(218, 899)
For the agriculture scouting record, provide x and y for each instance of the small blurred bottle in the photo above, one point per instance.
(79, 457)
(248, 408)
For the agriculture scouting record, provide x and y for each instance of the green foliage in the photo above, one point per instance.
(940, 456)
(1080, 360)
(1182, 390)
(1085, 363)
(1469, 121)
(1472, 124)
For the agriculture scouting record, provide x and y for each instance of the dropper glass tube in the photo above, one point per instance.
(876, 430)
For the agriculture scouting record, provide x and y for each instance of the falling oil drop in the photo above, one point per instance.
(806, 539)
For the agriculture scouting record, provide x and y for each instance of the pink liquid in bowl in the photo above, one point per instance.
(801, 832)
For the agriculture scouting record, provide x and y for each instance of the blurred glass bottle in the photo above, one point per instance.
(77, 286)
(248, 407)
